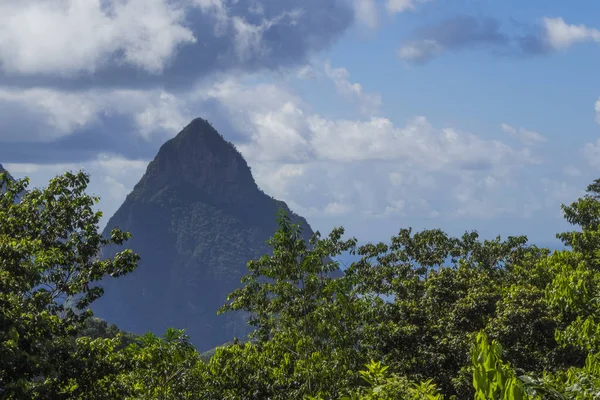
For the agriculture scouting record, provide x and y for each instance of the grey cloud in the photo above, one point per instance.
(112, 134)
(82, 145)
(296, 29)
(464, 31)
(476, 165)
(468, 32)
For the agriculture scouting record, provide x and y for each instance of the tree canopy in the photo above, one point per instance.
(424, 316)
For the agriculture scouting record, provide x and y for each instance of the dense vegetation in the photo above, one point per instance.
(492, 319)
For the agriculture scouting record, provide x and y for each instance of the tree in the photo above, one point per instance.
(49, 253)
(163, 368)
(307, 322)
(443, 291)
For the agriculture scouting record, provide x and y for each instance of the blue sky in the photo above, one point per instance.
(370, 114)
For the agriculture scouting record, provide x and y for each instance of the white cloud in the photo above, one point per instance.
(572, 171)
(77, 37)
(73, 36)
(116, 190)
(591, 152)
(112, 165)
(418, 143)
(22, 168)
(233, 95)
(561, 35)
(112, 177)
(118, 166)
(420, 50)
(372, 166)
(323, 167)
(398, 6)
(282, 129)
(64, 112)
(367, 13)
(558, 192)
(272, 115)
(525, 136)
(277, 177)
(164, 112)
(338, 208)
(306, 72)
(279, 132)
(395, 207)
(368, 102)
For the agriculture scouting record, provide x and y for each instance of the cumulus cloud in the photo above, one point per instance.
(73, 37)
(112, 177)
(591, 152)
(370, 167)
(468, 32)
(112, 165)
(324, 167)
(282, 128)
(559, 192)
(336, 208)
(525, 136)
(561, 35)
(150, 42)
(367, 13)
(368, 102)
(62, 113)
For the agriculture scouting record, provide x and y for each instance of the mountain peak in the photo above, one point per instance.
(200, 158)
(197, 217)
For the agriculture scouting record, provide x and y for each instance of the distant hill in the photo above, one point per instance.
(197, 217)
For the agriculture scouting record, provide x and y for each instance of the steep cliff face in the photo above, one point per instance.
(197, 217)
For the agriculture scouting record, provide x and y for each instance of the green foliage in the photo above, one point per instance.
(49, 243)
(492, 379)
(96, 328)
(305, 325)
(382, 386)
(445, 291)
(162, 368)
(464, 318)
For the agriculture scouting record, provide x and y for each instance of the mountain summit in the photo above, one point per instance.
(197, 217)
(200, 158)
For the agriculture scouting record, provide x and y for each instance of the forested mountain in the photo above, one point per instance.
(196, 217)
